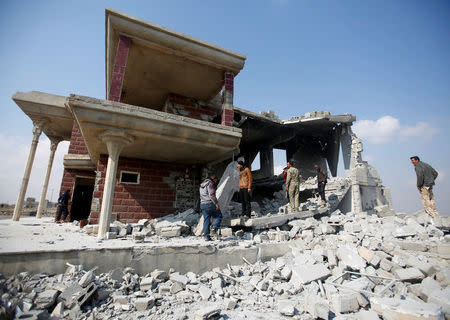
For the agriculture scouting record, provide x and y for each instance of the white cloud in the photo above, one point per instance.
(421, 129)
(388, 128)
(15, 151)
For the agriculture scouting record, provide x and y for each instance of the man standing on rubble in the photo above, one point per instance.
(321, 183)
(210, 207)
(292, 181)
(245, 188)
(426, 176)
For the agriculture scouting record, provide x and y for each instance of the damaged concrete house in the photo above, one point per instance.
(168, 120)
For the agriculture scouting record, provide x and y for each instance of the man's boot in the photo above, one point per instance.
(215, 233)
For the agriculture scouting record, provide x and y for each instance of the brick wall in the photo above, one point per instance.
(77, 145)
(153, 197)
(68, 181)
(192, 108)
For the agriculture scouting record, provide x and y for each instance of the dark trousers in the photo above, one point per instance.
(62, 210)
(209, 211)
(244, 197)
(321, 188)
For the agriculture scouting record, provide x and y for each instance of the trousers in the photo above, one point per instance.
(209, 211)
(244, 197)
(427, 197)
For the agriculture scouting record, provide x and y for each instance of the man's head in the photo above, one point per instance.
(317, 167)
(414, 159)
(240, 165)
(68, 191)
(214, 178)
(289, 164)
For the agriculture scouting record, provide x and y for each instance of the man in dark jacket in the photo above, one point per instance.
(426, 176)
(63, 202)
(321, 183)
(210, 207)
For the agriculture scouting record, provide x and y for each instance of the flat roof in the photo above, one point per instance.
(162, 61)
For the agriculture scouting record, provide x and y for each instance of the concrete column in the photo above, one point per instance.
(266, 162)
(53, 145)
(38, 126)
(227, 99)
(118, 73)
(115, 141)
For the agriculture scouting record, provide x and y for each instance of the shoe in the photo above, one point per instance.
(215, 233)
(208, 239)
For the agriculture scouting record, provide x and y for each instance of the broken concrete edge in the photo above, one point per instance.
(143, 259)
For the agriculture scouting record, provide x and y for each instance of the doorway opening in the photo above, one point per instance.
(82, 198)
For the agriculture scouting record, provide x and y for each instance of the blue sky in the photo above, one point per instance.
(387, 62)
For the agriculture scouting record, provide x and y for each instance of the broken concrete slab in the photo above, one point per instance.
(409, 274)
(350, 258)
(397, 309)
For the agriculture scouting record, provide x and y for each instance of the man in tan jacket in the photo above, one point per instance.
(292, 181)
(245, 188)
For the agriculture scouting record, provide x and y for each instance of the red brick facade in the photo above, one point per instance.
(227, 94)
(120, 64)
(153, 197)
(77, 145)
(191, 108)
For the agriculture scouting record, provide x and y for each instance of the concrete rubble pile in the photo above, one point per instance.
(343, 266)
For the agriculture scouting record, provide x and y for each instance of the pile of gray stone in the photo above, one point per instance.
(343, 266)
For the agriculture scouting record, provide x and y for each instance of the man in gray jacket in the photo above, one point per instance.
(426, 176)
(210, 206)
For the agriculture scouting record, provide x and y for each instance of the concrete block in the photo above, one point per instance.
(87, 278)
(138, 236)
(443, 249)
(366, 315)
(176, 277)
(45, 299)
(159, 274)
(383, 211)
(142, 304)
(205, 292)
(366, 254)
(351, 258)
(331, 257)
(216, 284)
(58, 312)
(443, 276)
(441, 298)
(146, 283)
(409, 274)
(344, 302)
(229, 303)
(207, 313)
(164, 288)
(398, 309)
(226, 232)
(316, 306)
(286, 307)
(375, 260)
(120, 299)
(427, 286)
(176, 287)
(306, 273)
(286, 273)
(385, 264)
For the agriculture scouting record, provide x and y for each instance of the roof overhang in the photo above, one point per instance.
(163, 61)
(156, 135)
(40, 106)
